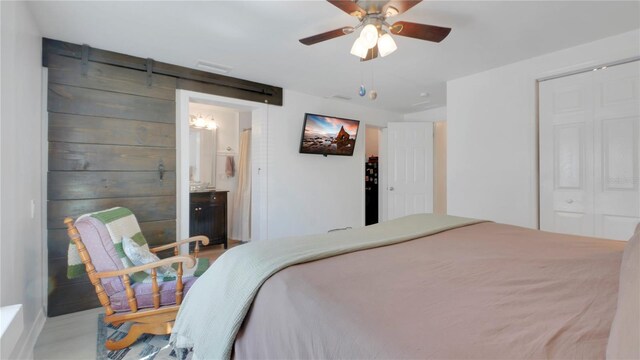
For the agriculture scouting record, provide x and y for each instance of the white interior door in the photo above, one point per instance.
(589, 131)
(410, 169)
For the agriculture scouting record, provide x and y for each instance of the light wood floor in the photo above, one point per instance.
(73, 336)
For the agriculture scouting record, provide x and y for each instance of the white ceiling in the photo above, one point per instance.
(259, 40)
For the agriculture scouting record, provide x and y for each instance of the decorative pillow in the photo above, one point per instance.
(140, 255)
(624, 338)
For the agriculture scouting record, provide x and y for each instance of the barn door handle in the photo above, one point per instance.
(161, 170)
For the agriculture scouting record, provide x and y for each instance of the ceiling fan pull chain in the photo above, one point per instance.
(362, 91)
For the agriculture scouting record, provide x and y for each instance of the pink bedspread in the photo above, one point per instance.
(485, 291)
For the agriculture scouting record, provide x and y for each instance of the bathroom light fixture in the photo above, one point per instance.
(200, 121)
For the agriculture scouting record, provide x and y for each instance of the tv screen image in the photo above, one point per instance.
(326, 135)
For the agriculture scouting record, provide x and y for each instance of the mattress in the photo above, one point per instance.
(484, 291)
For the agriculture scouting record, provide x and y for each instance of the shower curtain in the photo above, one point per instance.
(241, 218)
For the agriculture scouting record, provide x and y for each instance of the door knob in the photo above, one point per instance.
(569, 201)
(390, 188)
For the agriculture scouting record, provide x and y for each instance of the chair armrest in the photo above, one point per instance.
(201, 238)
(189, 260)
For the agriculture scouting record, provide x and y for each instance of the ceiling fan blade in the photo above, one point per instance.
(371, 54)
(350, 7)
(400, 6)
(420, 31)
(327, 35)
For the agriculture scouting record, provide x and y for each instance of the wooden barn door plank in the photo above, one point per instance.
(69, 71)
(110, 131)
(83, 101)
(69, 156)
(70, 185)
(152, 208)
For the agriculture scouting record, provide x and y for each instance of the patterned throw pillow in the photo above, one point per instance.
(140, 255)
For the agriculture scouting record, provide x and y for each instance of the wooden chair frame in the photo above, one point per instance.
(157, 320)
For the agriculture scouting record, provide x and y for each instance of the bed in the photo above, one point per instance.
(473, 289)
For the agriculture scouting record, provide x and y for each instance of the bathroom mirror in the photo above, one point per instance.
(202, 159)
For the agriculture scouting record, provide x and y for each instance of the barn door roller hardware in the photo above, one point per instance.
(149, 65)
(187, 78)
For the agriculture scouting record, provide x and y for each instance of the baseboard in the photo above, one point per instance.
(24, 347)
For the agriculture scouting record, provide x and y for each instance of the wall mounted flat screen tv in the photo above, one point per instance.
(327, 135)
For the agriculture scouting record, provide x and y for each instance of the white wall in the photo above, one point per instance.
(491, 145)
(311, 193)
(430, 115)
(21, 237)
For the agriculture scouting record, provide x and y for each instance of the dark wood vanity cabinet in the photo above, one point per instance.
(208, 216)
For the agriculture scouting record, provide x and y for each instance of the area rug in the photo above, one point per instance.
(148, 347)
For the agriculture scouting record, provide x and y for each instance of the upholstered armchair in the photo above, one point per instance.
(148, 295)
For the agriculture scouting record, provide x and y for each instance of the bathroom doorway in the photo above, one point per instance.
(221, 175)
(219, 166)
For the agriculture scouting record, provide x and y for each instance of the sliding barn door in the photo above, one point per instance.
(111, 143)
(589, 155)
(410, 172)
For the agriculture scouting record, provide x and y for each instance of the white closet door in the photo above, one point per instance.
(589, 156)
(566, 155)
(616, 135)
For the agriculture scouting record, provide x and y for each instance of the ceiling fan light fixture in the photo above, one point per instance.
(369, 35)
(391, 12)
(386, 45)
(359, 48)
(374, 39)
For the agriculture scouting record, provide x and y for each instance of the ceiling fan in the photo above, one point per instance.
(375, 39)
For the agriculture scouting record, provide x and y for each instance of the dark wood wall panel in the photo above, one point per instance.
(68, 71)
(69, 156)
(152, 208)
(83, 101)
(157, 232)
(77, 296)
(70, 185)
(110, 131)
